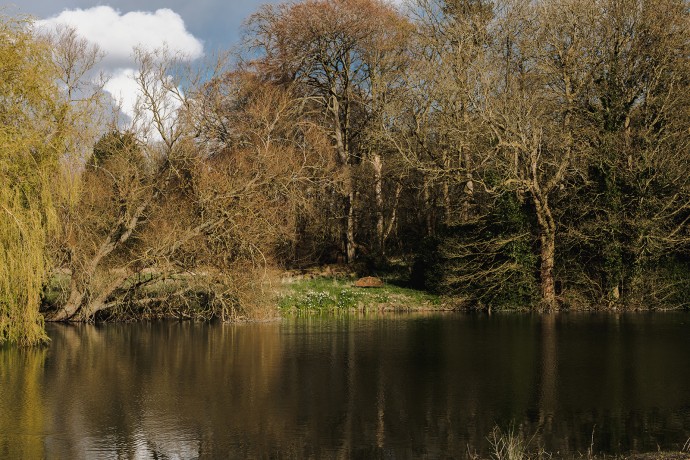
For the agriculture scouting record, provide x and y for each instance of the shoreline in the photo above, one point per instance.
(332, 292)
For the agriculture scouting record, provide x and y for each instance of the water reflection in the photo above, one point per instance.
(20, 384)
(400, 386)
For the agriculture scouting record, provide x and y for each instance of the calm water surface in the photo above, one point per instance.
(359, 387)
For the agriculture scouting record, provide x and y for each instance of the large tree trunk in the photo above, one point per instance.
(343, 156)
(74, 301)
(547, 239)
(394, 214)
(81, 280)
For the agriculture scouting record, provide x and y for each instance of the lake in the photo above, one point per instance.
(379, 386)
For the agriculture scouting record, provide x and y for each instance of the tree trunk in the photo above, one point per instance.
(377, 163)
(81, 280)
(342, 149)
(547, 239)
(468, 190)
(394, 213)
(350, 236)
(429, 216)
(119, 235)
(76, 297)
(446, 202)
(338, 134)
(445, 187)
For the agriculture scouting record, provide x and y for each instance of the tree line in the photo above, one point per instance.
(507, 153)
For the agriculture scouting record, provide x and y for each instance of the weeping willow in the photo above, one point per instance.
(23, 229)
(28, 163)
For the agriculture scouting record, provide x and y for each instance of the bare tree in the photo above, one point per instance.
(338, 50)
(541, 65)
(170, 211)
(133, 193)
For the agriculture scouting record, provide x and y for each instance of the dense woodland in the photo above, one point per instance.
(506, 153)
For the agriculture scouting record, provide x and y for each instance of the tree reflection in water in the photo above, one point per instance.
(400, 386)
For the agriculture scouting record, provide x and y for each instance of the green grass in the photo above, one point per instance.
(339, 294)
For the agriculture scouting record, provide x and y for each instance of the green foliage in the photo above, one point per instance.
(663, 284)
(113, 145)
(23, 258)
(619, 250)
(427, 269)
(491, 261)
(605, 249)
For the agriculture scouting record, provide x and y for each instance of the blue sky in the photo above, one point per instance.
(216, 22)
(191, 27)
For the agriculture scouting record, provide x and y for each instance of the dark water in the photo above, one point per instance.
(387, 386)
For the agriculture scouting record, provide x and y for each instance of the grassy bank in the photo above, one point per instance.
(190, 297)
(333, 294)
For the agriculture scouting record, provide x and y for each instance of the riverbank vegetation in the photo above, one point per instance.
(512, 444)
(510, 153)
(330, 295)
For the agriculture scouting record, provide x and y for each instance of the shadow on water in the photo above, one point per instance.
(398, 386)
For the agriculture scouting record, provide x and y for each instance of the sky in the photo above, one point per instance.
(192, 27)
(216, 23)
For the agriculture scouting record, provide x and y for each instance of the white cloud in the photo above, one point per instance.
(118, 34)
(123, 89)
